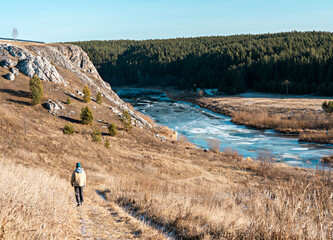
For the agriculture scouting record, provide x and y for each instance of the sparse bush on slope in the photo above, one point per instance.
(126, 120)
(68, 101)
(112, 129)
(69, 129)
(96, 135)
(99, 98)
(107, 143)
(86, 94)
(36, 89)
(86, 115)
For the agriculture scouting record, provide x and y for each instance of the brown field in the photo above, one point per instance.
(194, 194)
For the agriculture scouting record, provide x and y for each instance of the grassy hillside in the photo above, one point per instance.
(233, 63)
(195, 194)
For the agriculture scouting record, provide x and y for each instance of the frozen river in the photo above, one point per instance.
(200, 125)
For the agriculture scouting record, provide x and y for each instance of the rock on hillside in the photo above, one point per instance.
(41, 59)
(29, 64)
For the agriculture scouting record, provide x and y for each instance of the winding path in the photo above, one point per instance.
(102, 219)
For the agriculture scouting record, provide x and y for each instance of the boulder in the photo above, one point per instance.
(9, 76)
(25, 67)
(6, 63)
(52, 106)
(14, 71)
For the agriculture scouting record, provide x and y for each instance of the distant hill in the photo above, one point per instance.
(232, 63)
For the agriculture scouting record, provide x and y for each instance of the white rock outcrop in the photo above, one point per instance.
(42, 68)
(30, 64)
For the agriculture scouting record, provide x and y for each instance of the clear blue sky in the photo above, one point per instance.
(70, 20)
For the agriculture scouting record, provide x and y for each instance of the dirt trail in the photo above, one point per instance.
(106, 220)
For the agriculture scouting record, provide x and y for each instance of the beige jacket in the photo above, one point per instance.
(78, 178)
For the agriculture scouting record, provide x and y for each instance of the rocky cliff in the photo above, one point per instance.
(44, 59)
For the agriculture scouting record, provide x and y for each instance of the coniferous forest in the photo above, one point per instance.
(297, 62)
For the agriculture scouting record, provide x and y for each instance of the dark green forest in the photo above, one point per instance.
(232, 64)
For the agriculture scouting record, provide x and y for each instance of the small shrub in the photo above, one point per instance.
(107, 143)
(99, 98)
(86, 115)
(96, 135)
(327, 107)
(69, 100)
(86, 94)
(214, 145)
(112, 129)
(36, 89)
(328, 160)
(69, 129)
(126, 120)
(266, 162)
(232, 153)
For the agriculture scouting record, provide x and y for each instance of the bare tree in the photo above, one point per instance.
(287, 84)
(15, 33)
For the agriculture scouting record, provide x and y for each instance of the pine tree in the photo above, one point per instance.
(327, 107)
(69, 129)
(96, 135)
(112, 129)
(86, 94)
(36, 89)
(107, 143)
(126, 120)
(86, 115)
(99, 98)
(68, 101)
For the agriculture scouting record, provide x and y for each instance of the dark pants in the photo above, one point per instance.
(79, 194)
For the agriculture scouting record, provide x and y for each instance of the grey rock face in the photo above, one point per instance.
(25, 67)
(42, 68)
(9, 76)
(7, 63)
(14, 71)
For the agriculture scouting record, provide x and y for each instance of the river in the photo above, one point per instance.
(201, 126)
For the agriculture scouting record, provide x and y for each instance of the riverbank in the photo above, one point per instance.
(297, 115)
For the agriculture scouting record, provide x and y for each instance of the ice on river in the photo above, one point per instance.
(200, 125)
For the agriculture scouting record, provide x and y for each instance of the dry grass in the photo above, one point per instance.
(318, 137)
(34, 204)
(232, 153)
(284, 122)
(214, 145)
(310, 125)
(202, 209)
(190, 209)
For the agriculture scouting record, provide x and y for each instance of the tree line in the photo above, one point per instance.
(232, 64)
